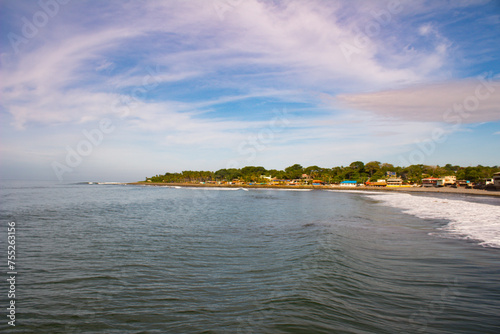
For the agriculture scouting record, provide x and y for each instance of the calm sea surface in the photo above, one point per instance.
(135, 259)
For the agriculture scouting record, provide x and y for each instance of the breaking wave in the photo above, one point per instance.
(467, 220)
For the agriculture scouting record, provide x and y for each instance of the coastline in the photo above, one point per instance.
(444, 190)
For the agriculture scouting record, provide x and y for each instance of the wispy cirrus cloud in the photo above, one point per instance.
(293, 43)
(180, 74)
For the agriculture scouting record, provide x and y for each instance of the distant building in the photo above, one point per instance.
(430, 182)
(463, 183)
(379, 183)
(348, 183)
(485, 183)
(394, 182)
(496, 180)
(446, 181)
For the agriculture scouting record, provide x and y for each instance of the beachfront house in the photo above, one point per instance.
(496, 180)
(430, 182)
(348, 183)
(379, 183)
(446, 181)
(394, 182)
(463, 183)
(488, 181)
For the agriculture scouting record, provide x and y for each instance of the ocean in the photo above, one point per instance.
(111, 258)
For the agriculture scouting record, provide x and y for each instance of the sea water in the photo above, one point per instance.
(111, 258)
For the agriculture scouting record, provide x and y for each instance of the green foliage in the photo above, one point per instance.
(227, 174)
(358, 166)
(476, 174)
(356, 171)
(253, 174)
(294, 172)
(372, 167)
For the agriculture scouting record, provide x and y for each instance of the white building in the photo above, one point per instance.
(394, 182)
(447, 181)
(348, 184)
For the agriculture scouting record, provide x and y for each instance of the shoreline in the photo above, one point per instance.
(442, 190)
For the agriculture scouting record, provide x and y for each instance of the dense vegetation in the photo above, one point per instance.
(357, 171)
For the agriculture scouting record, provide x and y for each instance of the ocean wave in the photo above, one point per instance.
(281, 189)
(351, 191)
(234, 188)
(207, 188)
(467, 220)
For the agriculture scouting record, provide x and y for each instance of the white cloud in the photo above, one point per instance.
(192, 62)
(105, 65)
(74, 77)
(425, 29)
(466, 101)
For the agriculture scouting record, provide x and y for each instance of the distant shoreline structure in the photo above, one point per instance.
(357, 174)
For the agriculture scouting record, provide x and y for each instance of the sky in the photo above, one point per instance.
(123, 90)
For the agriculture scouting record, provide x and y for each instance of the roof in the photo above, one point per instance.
(349, 182)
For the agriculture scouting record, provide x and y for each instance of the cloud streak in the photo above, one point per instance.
(477, 101)
(182, 75)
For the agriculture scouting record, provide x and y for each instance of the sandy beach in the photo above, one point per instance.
(458, 191)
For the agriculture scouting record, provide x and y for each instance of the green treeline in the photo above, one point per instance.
(356, 171)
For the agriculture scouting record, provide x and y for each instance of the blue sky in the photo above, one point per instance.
(122, 90)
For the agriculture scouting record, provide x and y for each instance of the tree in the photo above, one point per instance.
(372, 167)
(279, 174)
(294, 172)
(348, 173)
(252, 173)
(356, 171)
(378, 175)
(313, 171)
(358, 165)
(227, 174)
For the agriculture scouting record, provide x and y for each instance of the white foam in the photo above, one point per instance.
(244, 189)
(286, 189)
(468, 220)
(209, 188)
(352, 191)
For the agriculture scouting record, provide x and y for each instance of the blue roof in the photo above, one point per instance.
(349, 182)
